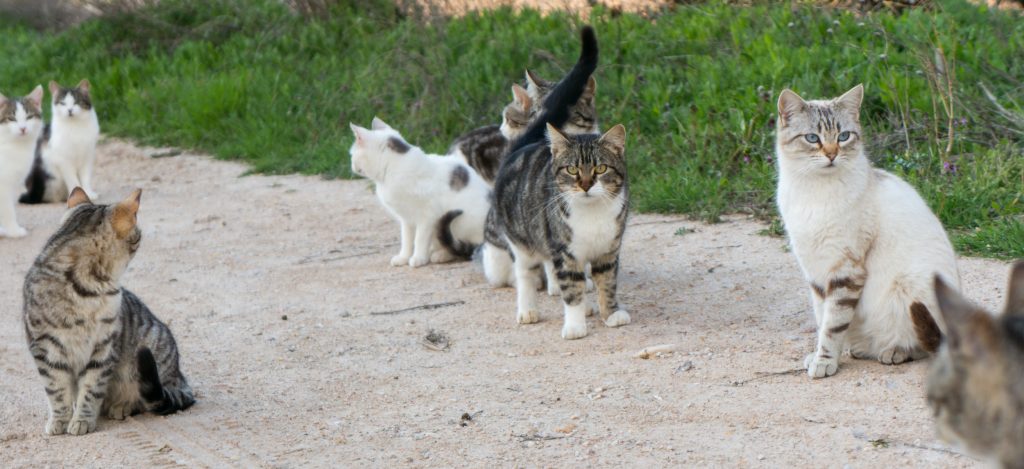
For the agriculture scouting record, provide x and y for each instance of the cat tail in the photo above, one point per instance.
(444, 236)
(159, 399)
(565, 94)
(36, 181)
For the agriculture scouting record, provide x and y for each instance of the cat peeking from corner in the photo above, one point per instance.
(867, 243)
(21, 120)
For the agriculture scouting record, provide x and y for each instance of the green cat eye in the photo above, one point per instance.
(812, 138)
(572, 170)
(600, 169)
(844, 136)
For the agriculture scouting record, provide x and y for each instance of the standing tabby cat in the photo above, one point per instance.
(96, 345)
(66, 154)
(21, 119)
(867, 243)
(976, 383)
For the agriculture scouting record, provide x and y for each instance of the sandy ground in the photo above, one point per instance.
(270, 285)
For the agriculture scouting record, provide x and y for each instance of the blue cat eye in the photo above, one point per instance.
(812, 138)
(844, 136)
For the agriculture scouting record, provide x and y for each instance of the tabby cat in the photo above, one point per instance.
(20, 123)
(976, 383)
(867, 244)
(96, 345)
(564, 202)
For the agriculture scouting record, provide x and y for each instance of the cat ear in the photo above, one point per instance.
(3, 98)
(1015, 292)
(359, 132)
(851, 100)
(378, 124)
(557, 140)
(78, 197)
(84, 85)
(533, 81)
(520, 96)
(36, 96)
(961, 317)
(126, 214)
(54, 88)
(789, 103)
(591, 90)
(615, 140)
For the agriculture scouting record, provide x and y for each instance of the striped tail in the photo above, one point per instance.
(158, 399)
(445, 237)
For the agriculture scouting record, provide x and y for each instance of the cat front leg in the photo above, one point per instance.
(8, 218)
(605, 273)
(69, 175)
(86, 177)
(840, 294)
(405, 252)
(92, 387)
(528, 270)
(57, 381)
(424, 236)
(572, 281)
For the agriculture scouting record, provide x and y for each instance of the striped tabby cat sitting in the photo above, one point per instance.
(96, 345)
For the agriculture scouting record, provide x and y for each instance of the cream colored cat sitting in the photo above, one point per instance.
(868, 245)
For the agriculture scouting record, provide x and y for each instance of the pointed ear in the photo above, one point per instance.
(126, 214)
(84, 85)
(78, 197)
(36, 96)
(1015, 293)
(532, 81)
(851, 100)
(557, 140)
(3, 98)
(615, 139)
(54, 88)
(591, 90)
(521, 97)
(789, 103)
(957, 312)
(359, 132)
(379, 124)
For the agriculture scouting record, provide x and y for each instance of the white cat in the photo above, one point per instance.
(868, 245)
(69, 154)
(439, 201)
(21, 121)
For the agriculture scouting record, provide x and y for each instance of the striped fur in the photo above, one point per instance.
(87, 333)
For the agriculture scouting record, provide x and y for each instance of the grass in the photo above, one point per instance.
(695, 87)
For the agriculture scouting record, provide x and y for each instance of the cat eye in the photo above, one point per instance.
(812, 138)
(572, 170)
(600, 169)
(844, 136)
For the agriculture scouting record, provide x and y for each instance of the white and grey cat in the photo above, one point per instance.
(21, 122)
(66, 155)
(439, 201)
(868, 245)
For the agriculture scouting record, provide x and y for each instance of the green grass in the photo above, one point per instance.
(695, 87)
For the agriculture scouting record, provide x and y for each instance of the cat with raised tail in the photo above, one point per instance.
(66, 152)
(439, 202)
(976, 382)
(867, 243)
(21, 121)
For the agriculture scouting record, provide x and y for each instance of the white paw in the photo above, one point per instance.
(527, 317)
(119, 412)
(618, 318)
(399, 260)
(894, 356)
(553, 288)
(419, 261)
(818, 367)
(441, 256)
(16, 232)
(93, 195)
(572, 331)
(81, 427)
(55, 427)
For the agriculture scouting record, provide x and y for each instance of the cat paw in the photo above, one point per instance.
(527, 317)
(119, 412)
(894, 356)
(399, 260)
(618, 318)
(590, 285)
(818, 367)
(441, 256)
(419, 261)
(16, 232)
(572, 331)
(55, 427)
(81, 427)
(554, 289)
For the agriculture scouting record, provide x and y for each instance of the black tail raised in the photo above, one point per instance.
(564, 95)
(444, 236)
(159, 399)
(36, 181)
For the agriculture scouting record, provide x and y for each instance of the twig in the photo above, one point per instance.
(325, 260)
(166, 154)
(656, 222)
(653, 350)
(414, 308)
(767, 374)
(538, 437)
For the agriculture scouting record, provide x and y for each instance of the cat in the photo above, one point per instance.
(94, 342)
(66, 153)
(582, 115)
(563, 202)
(976, 382)
(21, 119)
(866, 242)
(439, 201)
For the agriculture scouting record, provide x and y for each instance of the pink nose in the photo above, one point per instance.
(23, 130)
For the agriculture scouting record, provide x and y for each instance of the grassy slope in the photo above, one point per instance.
(695, 89)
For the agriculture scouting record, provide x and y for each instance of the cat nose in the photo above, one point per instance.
(23, 130)
(831, 152)
(586, 184)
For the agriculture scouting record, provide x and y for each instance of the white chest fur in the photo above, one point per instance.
(594, 227)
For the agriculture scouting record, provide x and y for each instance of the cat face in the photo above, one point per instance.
(589, 167)
(582, 115)
(22, 117)
(70, 102)
(516, 116)
(975, 382)
(107, 236)
(373, 148)
(822, 136)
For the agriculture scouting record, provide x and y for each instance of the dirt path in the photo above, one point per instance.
(270, 283)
